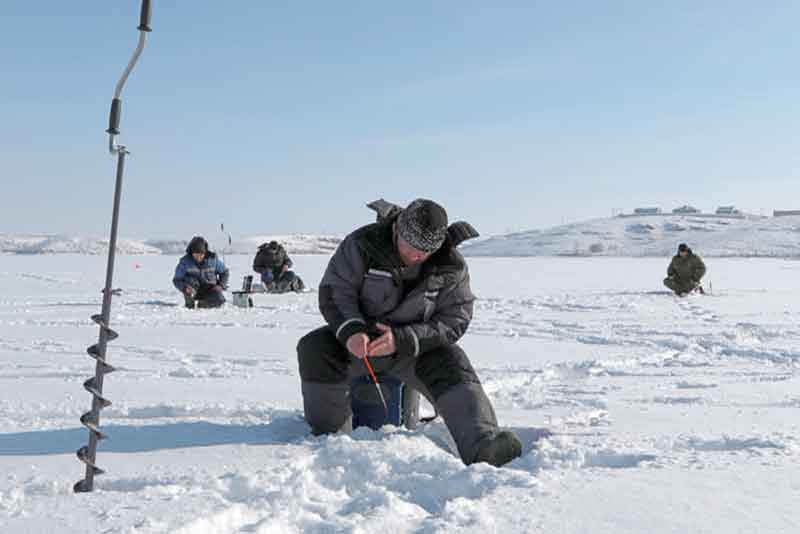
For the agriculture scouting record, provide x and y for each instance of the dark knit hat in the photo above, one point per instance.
(197, 245)
(423, 225)
(683, 247)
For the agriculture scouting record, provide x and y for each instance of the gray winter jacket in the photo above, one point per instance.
(364, 284)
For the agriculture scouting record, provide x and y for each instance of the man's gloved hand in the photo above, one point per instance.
(189, 291)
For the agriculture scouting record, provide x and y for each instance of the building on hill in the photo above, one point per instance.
(728, 210)
(687, 209)
(647, 211)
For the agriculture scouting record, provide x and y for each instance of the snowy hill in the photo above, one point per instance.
(59, 244)
(294, 243)
(619, 236)
(652, 236)
(54, 244)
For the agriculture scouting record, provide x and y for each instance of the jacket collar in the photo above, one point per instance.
(378, 242)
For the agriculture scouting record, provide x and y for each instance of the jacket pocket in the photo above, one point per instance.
(379, 294)
(209, 275)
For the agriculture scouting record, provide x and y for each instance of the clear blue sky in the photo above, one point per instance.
(287, 116)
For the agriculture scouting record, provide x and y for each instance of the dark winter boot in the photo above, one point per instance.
(469, 417)
(297, 285)
(500, 449)
(189, 301)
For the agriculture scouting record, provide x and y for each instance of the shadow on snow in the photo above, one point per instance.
(146, 438)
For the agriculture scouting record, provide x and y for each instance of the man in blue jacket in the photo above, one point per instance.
(201, 276)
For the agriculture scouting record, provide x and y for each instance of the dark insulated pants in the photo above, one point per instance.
(205, 298)
(285, 283)
(679, 286)
(444, 375)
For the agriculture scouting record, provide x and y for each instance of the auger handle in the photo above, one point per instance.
(144, 17)
(113, 117)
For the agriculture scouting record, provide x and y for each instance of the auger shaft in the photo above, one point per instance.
(91, 419)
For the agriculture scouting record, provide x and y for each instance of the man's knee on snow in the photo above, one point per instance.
(289, 281)
(295, 283)
(444, 368)
(208, 299)
(214, 299)
(327, 407)
(321, 358)
(679, 286)
(675, 285)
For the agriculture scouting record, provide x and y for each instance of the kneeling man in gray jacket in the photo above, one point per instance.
(398, 292)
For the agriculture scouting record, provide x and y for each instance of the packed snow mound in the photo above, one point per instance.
(652, 236)
(54, 244)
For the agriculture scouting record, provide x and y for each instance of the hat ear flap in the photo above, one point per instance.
(461, 231)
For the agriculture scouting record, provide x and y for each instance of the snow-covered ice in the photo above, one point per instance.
(639, 411)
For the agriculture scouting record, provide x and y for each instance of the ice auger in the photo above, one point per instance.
(94, 385)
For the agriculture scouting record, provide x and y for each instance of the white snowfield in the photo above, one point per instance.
(639, 412)
(652, 236)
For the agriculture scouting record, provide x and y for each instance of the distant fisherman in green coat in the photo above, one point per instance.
(685, 272)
